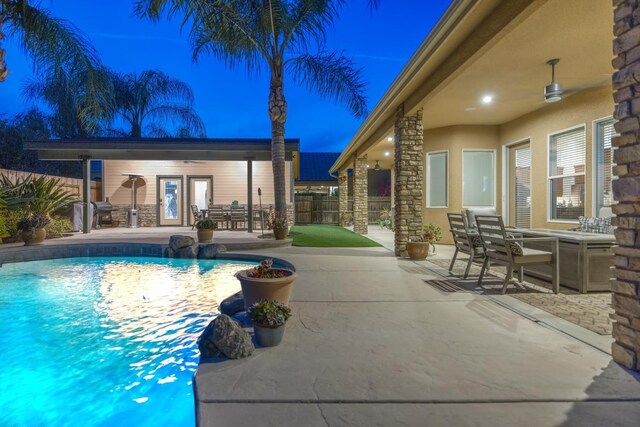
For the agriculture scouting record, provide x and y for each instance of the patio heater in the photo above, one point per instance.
(132, 213)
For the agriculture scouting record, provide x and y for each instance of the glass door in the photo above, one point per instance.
(520, 186)
(200, 194)
(170, 207)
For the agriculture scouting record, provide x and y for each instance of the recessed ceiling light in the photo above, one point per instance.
(389, 139)
(386, 153)
(487, 99)
(367, 165)
(470, 109)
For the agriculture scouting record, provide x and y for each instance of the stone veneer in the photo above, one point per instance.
(626, 189)
(409, 169)
(360, 196)
(343, 198)
(146, 215)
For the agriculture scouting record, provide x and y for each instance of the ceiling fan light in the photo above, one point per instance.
(553, 92)
(377, 166)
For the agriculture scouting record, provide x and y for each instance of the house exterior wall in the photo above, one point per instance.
(580, 109)
(454, 139)
(229, 183)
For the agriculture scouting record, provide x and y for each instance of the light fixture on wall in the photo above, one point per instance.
(553, 91)
(377, 166)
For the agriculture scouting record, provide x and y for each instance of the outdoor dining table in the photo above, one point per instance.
(226, 212)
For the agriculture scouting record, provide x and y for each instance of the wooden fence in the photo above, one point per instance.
(72, 185)
(323, 209)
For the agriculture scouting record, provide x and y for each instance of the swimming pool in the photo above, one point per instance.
(105, 341)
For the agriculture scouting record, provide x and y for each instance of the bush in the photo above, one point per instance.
(58, 227)
(269, 313)
(11, 219)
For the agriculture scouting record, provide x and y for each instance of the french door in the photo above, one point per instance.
(520, 185)
(170, 205)
(200, 193)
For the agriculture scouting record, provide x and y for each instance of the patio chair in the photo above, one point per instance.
(197, 215)
(217, 215)
(504, 250)
(464, 241)
(238, 215)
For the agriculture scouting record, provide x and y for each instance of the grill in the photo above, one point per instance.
(102, 212)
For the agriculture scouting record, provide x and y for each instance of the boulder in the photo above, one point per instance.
(178, 242)
(233, 304)
(186, 252)
(206, 345)
(210, 250)
(233, 341)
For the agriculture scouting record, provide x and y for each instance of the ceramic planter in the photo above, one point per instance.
(418, 250)
(35, 236)
(280, 233)
(269, 336)
(255, 289)
(205, 235)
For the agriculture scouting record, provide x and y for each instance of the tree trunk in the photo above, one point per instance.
(4, 71)
(278, 116)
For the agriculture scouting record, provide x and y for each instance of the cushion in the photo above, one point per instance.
(471, 215)
(595, 225)
(474, 238)
(516, 248)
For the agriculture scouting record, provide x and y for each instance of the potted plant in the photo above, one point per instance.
(235, 203)
(384, 221)
(269, 318)
(264, 282)
(205, 229)
(418, 246)
(279, 223)
(346, 219)
(32, 229)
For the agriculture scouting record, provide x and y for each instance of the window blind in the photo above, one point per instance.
(523, 187)
(478, 178)
(567, 174)
(604, 163)
(437, 177)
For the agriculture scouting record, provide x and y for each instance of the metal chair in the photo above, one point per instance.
(238, 215)
(197, 215)
(504, 250)
(465, 242)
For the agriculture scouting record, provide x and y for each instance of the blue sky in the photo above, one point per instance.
(232, 103)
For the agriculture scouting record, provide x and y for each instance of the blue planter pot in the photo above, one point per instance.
(269, 337)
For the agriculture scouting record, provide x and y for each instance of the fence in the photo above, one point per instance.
(72, 185)
(323, 209)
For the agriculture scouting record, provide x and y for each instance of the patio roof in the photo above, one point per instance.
(159, 148)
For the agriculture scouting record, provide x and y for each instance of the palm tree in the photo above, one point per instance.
(277, 34)
(147, 100)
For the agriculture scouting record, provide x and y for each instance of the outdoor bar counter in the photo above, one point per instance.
(585, 258)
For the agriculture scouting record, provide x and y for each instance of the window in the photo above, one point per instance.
(478, 178)
(437, 177)
(566, 175)
(603, 164)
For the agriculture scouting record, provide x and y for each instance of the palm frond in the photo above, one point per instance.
(331, 75)
(179, 115)
(307, 21)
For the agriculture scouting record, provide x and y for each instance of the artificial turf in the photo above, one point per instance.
(328, 236)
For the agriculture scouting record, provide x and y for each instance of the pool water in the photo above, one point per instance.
(105, 341)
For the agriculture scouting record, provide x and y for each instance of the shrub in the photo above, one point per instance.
(269, 313)
(33, 221)
(11, 219)
(206, 224)
(276, 219)
(58, 227)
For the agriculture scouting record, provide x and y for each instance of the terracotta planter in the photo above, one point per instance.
(280, 233)
(269, 337)
(34, 236)
(205, 235)
(254, 289)
(418, 250)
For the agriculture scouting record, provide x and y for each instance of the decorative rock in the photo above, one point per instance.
(233, 341)
(187, 252)
(178, 242)
(232, 304)
(210, 250)
(206, 345)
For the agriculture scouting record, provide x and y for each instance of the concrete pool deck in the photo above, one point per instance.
(371, 344)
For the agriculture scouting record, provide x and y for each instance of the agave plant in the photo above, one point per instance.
(42, 195)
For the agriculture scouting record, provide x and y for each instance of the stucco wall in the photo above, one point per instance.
(580, 109)
(455, 139)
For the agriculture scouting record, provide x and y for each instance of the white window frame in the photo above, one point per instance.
(428, 183)
(582, 126)
(594, 162)
(495, 176)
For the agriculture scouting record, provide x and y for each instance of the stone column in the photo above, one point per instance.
(626, 189)
(360, 196)
(343, 197)
(409, 170)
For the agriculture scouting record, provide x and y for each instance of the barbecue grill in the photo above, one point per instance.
(102, 212)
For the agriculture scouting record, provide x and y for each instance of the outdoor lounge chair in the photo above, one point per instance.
(504, 250)
(197, 215)
(464, 241)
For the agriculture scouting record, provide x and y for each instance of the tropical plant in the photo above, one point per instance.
(265, 271)
(206, 224)
(276, 220)
(269, 313)
(37, 196)
(385, 219)
(147, 100)
(56, 47)
(278, 35)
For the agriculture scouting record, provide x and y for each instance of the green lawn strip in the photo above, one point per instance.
(328, 236)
